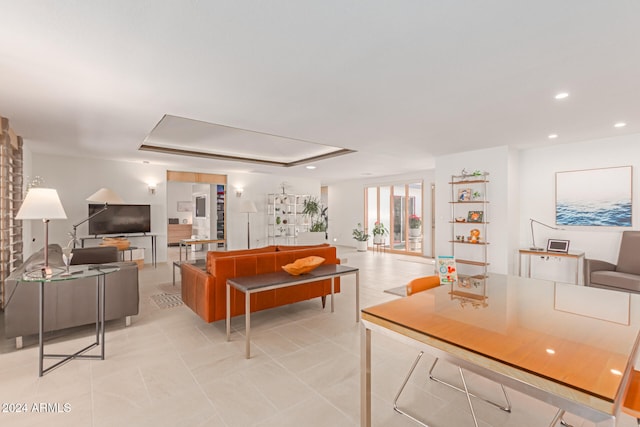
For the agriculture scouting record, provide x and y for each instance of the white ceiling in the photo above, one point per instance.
(397, 81)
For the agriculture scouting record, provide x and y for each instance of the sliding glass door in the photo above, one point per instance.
(399, 208)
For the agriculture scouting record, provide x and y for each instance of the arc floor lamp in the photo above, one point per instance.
(103, 195)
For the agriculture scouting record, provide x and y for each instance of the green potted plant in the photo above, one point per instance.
(318, 221)
(379, 231)
(316, 213)
(414, 225)
(361, 236)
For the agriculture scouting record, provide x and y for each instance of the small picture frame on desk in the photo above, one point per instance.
(560, 246)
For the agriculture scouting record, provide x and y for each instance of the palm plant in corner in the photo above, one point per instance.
(317, 215)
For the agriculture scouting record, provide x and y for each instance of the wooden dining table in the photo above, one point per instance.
(571, 346)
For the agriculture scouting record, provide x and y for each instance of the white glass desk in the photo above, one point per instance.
(76, 272)
(528, 336)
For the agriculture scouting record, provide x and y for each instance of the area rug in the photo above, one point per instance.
(165, 300)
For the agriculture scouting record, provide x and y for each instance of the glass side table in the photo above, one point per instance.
(73, 273)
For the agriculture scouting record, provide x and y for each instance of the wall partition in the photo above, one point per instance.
(399, 207)
(11, 187)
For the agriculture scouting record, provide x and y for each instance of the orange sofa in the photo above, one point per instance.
(205, 291)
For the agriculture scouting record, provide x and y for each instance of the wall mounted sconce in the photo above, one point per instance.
(152, 188)
(239, 192)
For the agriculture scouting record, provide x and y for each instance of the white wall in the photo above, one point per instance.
(202, 226)
(346, 209)
(77, 178)
(256, 187)
(179, 192)
(522, 186)
(537, 185)
(346, 205)
(502, 202)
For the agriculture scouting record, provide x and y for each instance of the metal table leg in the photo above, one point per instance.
(247, 320)
(333, 283)
(365, 376)
(357, 296)
(41, 331)
(228, 318)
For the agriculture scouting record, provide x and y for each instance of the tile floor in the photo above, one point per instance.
(169, 368)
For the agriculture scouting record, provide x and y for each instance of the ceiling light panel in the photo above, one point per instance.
(179, 135)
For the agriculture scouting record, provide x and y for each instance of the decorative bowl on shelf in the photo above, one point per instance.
(460, 219)
(303, 265)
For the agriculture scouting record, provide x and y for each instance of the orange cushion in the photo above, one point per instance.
(303, 265)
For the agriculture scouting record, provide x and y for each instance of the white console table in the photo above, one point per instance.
(577, 255)
(153, 238)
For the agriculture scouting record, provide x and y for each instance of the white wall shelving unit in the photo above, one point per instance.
(470, 217)
(284, 218)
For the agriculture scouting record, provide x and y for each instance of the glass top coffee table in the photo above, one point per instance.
(75, 272)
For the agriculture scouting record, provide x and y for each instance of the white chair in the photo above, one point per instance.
(422, 284)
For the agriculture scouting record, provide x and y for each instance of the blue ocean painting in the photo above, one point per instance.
(594, 197)
(612, 214)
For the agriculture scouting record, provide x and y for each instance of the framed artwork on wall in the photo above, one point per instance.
(184, 206)
(595, 197)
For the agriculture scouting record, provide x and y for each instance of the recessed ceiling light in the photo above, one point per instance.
(616, 372)
(311, 167)
(553, 136)
(551, 351)
(620, 125)
(562, 95)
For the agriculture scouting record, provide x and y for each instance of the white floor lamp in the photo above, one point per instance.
(44, 204)
(248, 207)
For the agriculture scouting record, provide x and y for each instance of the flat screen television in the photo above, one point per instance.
(201, 207)
(120, 219)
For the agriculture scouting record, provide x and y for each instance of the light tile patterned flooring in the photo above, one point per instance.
(169, 368)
